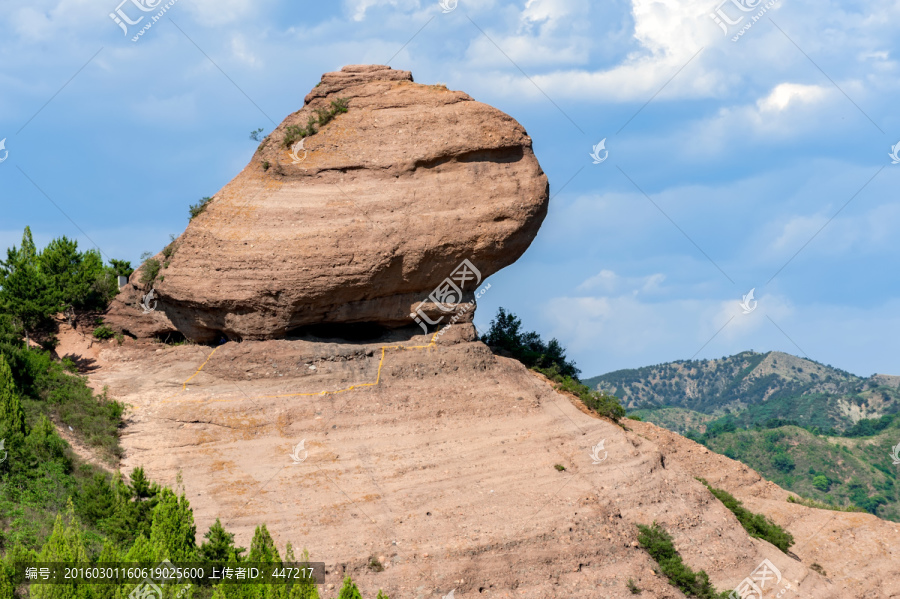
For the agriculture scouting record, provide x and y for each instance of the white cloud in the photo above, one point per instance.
(788, 111)
(551, 13)
(543, 33)
(728, 320)
(607, 333)
(624, 323)
(607, 281)
(240, 51)
(791, 234)
(792, 94)
(872, 230)
(359, 8)
(669, 32)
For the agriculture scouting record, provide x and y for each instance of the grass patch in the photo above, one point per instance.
(559, 467)
(169, 251)
(820, 505)
(659, 545)
(603, 404)
(103, 332)
(756, 525)
(150, 270)
(294, 133)
(95, 419)
(633, 587)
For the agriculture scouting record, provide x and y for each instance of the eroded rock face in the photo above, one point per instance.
(440, 462)
(358, 224)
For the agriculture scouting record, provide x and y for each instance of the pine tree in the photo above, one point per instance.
(134, 508)
(263, 550)
(349, 590)
(60, 262)
(97, 499)
(12, 417)
(6, 584)
(219, 545)
(304, 590)
(99, 280)
(262, 547)
(65, 545)
(24, 291)
(307, 588)
(109, 556)
(141, 552)
(173, 532)
(29, 250)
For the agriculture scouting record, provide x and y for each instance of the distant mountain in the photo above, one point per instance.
(815, 430)
(753, 388)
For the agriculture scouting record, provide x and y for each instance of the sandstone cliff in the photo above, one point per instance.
(439, 463)
(356, 223)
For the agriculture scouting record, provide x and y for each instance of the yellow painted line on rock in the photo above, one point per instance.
(384, 349)
(184, 384)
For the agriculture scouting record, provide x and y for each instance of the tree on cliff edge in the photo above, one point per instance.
(528, 348)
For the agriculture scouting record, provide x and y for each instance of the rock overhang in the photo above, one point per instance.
(360, 223)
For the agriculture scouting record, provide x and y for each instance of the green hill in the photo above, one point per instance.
(753, 388)
(837, 470)
(818, 431)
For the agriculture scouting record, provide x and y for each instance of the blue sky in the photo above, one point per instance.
(758, 163)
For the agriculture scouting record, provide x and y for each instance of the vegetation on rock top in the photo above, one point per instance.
(294, 133)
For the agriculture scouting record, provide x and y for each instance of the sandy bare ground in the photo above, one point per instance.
(445, 472)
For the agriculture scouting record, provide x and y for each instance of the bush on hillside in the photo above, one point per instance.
(756, 525)
(198, 208)
(150, 270)
(602, 403)
(103, 332)
(660, 546)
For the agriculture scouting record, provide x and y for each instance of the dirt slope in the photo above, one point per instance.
(444, 471)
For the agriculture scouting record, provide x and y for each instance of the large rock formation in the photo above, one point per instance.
(359, 223)
(439, 462)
